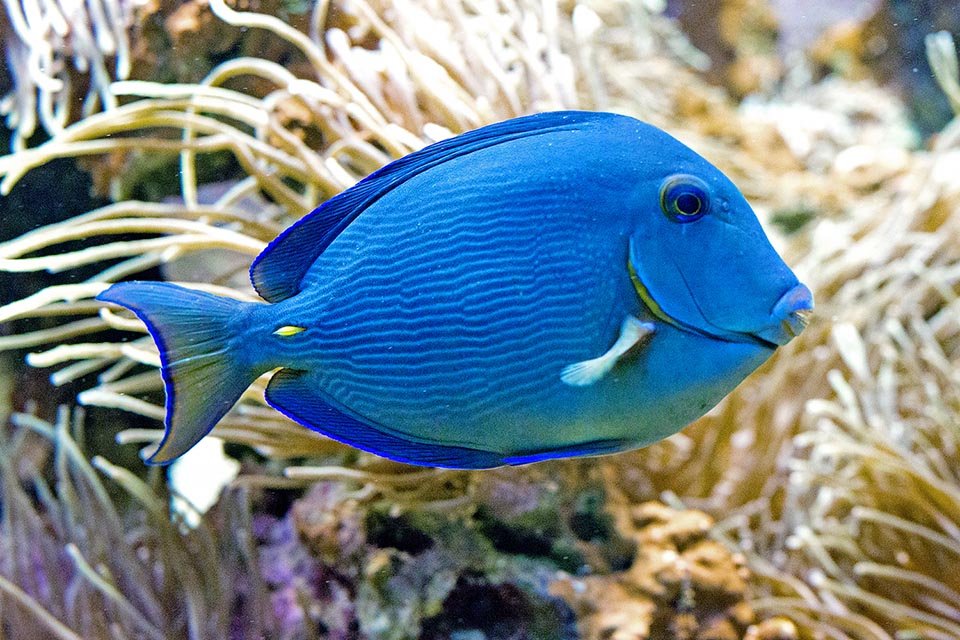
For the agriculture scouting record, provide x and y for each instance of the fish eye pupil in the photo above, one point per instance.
(684, 198)
(688, 204)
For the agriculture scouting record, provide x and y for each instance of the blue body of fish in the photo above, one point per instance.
(562, 284)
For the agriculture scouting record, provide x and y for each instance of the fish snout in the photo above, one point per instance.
(789, 317)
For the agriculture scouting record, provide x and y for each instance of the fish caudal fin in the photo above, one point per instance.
(201, 374)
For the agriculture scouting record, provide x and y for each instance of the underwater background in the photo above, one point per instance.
(173, 140)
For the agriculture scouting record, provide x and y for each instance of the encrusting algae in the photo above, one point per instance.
(832, 473)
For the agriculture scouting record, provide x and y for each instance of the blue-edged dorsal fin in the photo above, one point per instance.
(278, 271)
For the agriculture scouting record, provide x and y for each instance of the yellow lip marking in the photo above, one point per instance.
(288, 330)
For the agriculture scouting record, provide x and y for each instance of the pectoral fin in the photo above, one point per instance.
(582, 374)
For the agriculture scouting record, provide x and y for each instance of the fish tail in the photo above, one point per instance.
(203, 373)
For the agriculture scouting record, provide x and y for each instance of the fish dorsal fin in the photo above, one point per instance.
(278, 271)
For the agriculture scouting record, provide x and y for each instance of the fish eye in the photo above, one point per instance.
(684, 198)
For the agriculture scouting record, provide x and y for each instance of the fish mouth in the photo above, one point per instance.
(789, 316)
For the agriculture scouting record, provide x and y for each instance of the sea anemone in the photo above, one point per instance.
(857, 510)
(49, 46)
(78, 559)
(833, 470)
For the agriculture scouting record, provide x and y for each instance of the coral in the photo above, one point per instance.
(680, 584)
(831, 473)
(300, 558)
(344, 562)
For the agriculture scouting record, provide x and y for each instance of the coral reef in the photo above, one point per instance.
(525, 557)
(831, 474)
(393, 576)
(681, 584)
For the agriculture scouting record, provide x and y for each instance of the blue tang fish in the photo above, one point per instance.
(562, 284)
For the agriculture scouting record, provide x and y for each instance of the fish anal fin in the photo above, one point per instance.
(277, 272)
(592, 448)
(587, 372)
(297, 395)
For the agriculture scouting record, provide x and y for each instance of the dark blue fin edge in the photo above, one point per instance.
(201, 377)
(291, 393)
(593, 448)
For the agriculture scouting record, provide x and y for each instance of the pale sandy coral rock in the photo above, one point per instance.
(681, 584)
(773, 629)
(658, 524)
(607, 609)
(715, 570)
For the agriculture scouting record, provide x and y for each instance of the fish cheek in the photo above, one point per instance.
(699, 274)
(656, 271)
(707, 258)
(737, 277)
